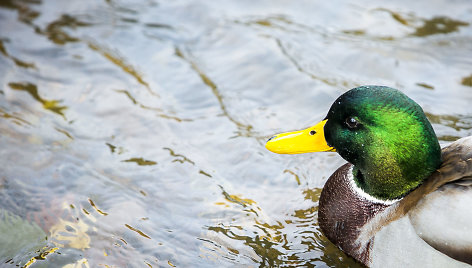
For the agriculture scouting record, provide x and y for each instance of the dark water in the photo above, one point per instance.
(132, 132)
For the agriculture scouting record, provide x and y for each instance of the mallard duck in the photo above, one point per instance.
(400, 200)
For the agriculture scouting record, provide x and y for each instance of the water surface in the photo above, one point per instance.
(132, 132)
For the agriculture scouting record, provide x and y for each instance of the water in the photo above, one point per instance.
(132, 132)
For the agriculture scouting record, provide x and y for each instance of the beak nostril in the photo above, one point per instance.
(271, 138)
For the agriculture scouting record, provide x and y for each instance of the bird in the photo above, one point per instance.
(400, 200)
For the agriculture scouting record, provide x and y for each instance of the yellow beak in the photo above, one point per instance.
(308, 140)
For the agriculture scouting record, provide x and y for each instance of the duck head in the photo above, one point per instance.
(382, 132)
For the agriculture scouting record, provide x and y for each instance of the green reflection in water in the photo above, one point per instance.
(17, 61)
(159, 111)
(457, 123)
(141, 233)
(249, 205)
(399, 18)
(67, 134)
(261, 246)
(141, 162)
(54, 31)
(314, 240)
(425, 85)
(439, 25)
(435, 25)
(297, 178)
(56, 34)
(115, 149)
(396, 16)
(354, 32)
(294, 61)
(467, 81)
(32, 89)
(275, 246)
(14, 118)
(280, 22)
(96, 208)
(205, 173)
(159, 25)
(245, 130)
(330, 81)
(8, 4)
(120, 61)
(178, 157)
(25, 13)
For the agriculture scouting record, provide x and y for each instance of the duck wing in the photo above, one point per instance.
(443, 217)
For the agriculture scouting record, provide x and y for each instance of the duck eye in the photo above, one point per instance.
(351, 122)
(312, 132)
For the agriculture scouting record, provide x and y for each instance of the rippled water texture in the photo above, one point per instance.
(132, 132)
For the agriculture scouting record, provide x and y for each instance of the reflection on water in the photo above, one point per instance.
(424, 27)
(14, 118)
(56, 34)
(439, 25)
(18, 62)
(467, 81)
(137, 231)
(244, 130)
(52, 105)
(294, 242)
(70, 234)
(140, 161)
(132, 132)
(119, 61)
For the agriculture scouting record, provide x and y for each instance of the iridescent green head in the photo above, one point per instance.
(386, 136)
